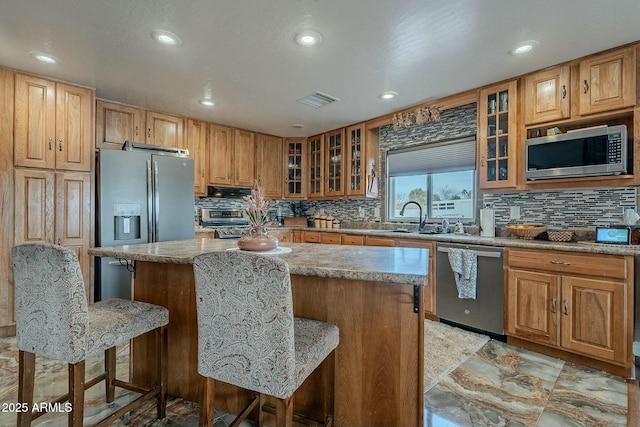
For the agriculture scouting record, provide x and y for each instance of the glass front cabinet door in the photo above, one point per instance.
(497, 136)
(295, 168)
(315, 189)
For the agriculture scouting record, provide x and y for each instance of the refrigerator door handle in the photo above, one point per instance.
(156, 195)
(150, 231)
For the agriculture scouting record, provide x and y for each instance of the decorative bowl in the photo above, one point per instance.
(526, 231)
(560, 235)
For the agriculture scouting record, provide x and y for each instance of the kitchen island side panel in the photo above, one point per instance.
(378, 364)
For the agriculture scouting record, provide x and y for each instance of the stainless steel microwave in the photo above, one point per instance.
(584, 152)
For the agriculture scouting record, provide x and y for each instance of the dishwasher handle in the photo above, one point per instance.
(486, 254)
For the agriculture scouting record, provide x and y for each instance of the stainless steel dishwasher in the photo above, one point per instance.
(486, 312)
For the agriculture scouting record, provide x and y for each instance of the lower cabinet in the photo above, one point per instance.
(579, 303)
(54, 207)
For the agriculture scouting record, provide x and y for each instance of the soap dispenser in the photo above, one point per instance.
(458, 228)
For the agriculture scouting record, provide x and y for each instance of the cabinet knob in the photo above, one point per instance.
(585, 87)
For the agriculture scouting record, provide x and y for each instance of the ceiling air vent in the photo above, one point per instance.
(318, 99)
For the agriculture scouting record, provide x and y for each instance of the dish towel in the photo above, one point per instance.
(464, 264)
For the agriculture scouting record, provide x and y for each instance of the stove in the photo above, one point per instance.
(229, 223)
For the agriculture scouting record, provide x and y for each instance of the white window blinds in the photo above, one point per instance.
(447, 156)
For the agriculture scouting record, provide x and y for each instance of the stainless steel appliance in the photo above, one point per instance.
(584, 152)
(486, 312)
(229, 223)
(145, 194)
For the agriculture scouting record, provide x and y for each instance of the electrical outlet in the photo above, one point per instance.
(514, 212)
(361, 212)
(376, 212)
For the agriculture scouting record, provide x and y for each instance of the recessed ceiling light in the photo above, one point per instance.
(524, 47)
(44, 57)
(297, 125)
(308, 38)
(166, 37)
(388, 95)
(207, 102)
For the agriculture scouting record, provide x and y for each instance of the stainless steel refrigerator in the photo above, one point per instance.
(145, 194)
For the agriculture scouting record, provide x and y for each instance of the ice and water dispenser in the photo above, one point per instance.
(127, 221)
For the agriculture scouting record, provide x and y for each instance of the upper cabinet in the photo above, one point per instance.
(608, 81)
(269, 167)
(547, 95)
(164, 129)
(53, 125)
(117, 123)
(197, 134)
(295, 166)
(497, 131)
(231, 157)
(315, 151)
(334, 163)
(362, 154)
(244, 158)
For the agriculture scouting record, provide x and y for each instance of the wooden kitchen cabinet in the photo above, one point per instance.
(608, 81)
(334, 163)
(430, 288)
(579, 303)
(117, 123)
(220, 155)
(196, 143)
(244, 158)
(361, 165)
(54, 207)
(331, 238)
(163, 129)
(295, 167)
(315, 187)
(379, 241)
(231, 157)
(353, 240)
(497, 135)
(547, 95)
(53, 125)
(269, 165)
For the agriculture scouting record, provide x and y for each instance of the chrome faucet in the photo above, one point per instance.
(422, 222)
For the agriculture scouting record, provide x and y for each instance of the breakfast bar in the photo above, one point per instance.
(373, 294)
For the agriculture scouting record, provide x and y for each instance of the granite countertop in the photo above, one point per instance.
(369, 263)
(514, 242)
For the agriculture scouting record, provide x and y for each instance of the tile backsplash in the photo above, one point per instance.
(572, 209)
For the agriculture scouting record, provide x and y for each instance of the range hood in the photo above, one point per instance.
(227, 193)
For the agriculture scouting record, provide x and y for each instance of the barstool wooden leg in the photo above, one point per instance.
(260, 411)
(110, 370)
(207, 407)
(26, 374)
(161, 364)
(76, 393)
(284, 412)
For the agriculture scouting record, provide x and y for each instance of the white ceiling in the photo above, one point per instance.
(241, 53)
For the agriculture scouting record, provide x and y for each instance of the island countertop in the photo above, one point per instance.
(377, 264)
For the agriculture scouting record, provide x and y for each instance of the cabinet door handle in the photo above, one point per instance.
(136, 131)
(560, 262)
(50, 143)
(58, 241)
(566, 307)
(482, 161)
(149, 133)
(585, 87)
(60, 141)
(553, 305)
(564, 91)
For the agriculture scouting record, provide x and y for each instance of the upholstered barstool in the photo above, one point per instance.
(248, 336)
(53, 319)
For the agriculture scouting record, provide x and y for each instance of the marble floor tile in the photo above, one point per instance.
(500, 385)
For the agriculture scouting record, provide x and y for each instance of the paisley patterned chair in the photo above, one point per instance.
(53, 319)
(248, 336)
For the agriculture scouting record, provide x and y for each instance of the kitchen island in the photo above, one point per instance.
(373, 294)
